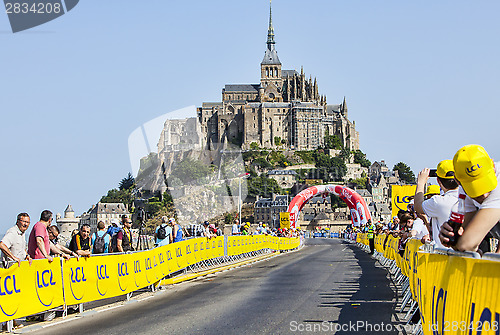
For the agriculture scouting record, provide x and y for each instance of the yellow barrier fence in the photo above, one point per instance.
(27, 290)
(455, 294)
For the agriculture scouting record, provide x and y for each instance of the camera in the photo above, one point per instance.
(433, 173)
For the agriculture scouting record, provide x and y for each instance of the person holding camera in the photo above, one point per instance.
(478, 177)
(437, 208)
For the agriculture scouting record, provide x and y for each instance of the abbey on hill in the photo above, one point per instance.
(285, 110)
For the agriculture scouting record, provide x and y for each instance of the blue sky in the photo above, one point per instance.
(421, 79)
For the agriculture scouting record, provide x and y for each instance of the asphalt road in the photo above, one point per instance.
(327, 285)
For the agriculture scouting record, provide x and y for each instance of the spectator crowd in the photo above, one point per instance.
(43, 241)
(461, 212)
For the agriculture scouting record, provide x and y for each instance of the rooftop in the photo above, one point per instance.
(110, 208)
(253, 88)
(282, 172)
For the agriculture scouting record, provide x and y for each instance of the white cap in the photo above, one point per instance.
(116, 222)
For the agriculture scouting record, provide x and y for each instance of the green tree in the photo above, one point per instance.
(360, 158)
(360, 182)
(153, 207)
(254, 146)
(333, 142)
(329, 168)
(345, 154)
(263, 186)
(338, 169)
(306, 156)
(127, 182)
(115, 195)
(405, 173)
(276, 158)
(190, 171)
(261, 162)
(167, 199)
(229, 218)
(277, 140)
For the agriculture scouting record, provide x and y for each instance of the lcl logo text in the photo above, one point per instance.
(403, 199)
(150, 264)
(102, 272)
(4, 289)
(473, 168)
(122, 269)
(77, 275)
(41, 279)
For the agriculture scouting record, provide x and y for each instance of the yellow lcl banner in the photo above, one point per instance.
(455, 295)
(27, 290)
(285, 220)
(400, 197)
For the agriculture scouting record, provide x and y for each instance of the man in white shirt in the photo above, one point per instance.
(13, 244)
(437, 208)
(478, 177)
(236, 228)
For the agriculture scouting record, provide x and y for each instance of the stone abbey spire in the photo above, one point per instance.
(270, 68)
(270, 30)
(271, 56)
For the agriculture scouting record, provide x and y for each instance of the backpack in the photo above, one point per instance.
(126, 242)
(161, 234)
(99, 244)
(114, 242)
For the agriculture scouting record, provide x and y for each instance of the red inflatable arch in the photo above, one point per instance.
(359, 210)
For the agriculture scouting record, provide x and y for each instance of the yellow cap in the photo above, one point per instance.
(432, 189)
(445, 169)
(474, 170)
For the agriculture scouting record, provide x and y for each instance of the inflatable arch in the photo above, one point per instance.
(359, 210)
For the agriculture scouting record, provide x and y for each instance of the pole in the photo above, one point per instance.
(239, 200)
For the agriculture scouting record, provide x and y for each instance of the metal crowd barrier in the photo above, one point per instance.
(47, 287)
(454, 292)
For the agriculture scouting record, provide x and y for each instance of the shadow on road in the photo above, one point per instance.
(370, 303)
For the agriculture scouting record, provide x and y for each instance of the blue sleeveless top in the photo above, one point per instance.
(178, 236)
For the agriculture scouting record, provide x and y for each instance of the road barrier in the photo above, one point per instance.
(42, 286)
(455, 292)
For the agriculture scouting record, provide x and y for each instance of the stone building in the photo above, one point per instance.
(366, 195)
(379, 190)
(285, 108)
(355, 171)
(379, 169)
(284, 178)
(104, 212)
(183, 134)
(67, 224)
(267, 210)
